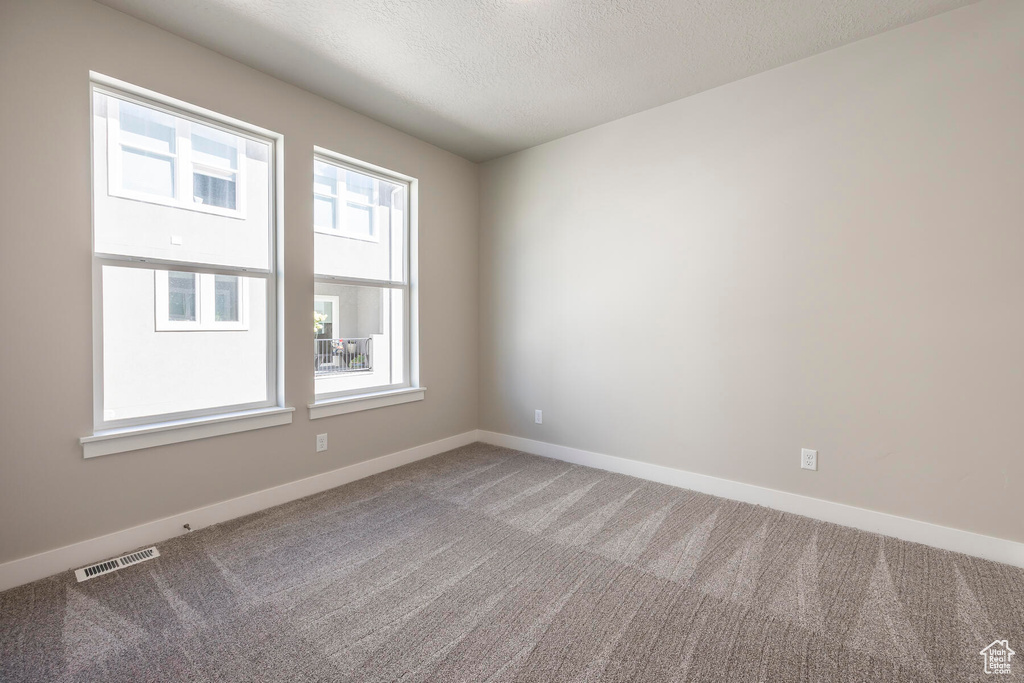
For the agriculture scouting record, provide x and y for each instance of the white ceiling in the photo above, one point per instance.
(483, 78)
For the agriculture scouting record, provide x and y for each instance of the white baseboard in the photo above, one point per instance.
(27, 569)
(946, 538)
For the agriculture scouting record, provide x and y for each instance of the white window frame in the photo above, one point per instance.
(342, 198)
(115, 436)
(339, 402)
(206, 305)
(184, 164)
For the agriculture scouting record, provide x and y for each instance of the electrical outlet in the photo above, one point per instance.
(321, 443)
(538, 416)
(808, 459)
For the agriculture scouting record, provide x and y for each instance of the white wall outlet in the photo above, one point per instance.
(321, 443)
(538, 416)
(808, 459)
(176, 240)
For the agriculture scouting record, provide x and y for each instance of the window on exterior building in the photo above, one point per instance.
(156, 156)
(181, 297)
(228, 300)
(361, 302)
(185, 266)
(146, 149)
(200, 301)
(346, 202)
(214, 167)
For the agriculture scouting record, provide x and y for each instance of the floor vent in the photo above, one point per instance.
(107, 566)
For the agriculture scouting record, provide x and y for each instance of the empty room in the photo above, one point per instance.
(506, 341)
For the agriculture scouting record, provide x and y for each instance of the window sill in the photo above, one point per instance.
(351, 404)
(158, 434)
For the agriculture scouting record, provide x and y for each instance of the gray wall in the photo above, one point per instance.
(827, 255)
(49, 495)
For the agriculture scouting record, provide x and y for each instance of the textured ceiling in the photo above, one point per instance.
(483, 78)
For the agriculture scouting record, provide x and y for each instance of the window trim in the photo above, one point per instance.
(177, 431)
(128, 428)
(367, 396)
(352, 404)
(184, 167)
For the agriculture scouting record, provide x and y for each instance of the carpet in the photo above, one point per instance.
(487, 564)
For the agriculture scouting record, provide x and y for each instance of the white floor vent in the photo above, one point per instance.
(107, 566)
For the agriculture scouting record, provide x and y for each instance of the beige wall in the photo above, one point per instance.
(828, 255)
(49, 495)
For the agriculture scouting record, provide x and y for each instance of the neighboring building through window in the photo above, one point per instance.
(184, 249)
(361, 303)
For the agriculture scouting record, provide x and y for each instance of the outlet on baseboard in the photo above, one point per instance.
(808, 459)
(321, 443)
(538, 416)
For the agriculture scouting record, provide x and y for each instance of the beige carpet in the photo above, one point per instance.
(485, 564)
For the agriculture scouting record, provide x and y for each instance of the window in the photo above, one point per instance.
(158, 157)
(200, 302)
(214, 168)
(362, 303)
(228, 296)
(146, 152)
(185, 263)
(181, 296)
(346, 202)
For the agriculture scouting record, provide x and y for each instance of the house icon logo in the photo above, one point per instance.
(997, 657)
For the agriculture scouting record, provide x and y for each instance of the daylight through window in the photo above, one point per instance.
(361, 298)
(184, 255)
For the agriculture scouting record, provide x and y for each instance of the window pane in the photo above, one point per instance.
(360, 186)
(393, 196)
(360, 220)
(363, 346)
(146, 128)
(212, 147)
(213, 190)
(226, 298)
(147, 373)
(181, 296)
(370, 240)
(147, 172)
(325, 178)
(213, 173)
(323, 212)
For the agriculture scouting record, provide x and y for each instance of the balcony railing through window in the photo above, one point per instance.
(335, 356)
